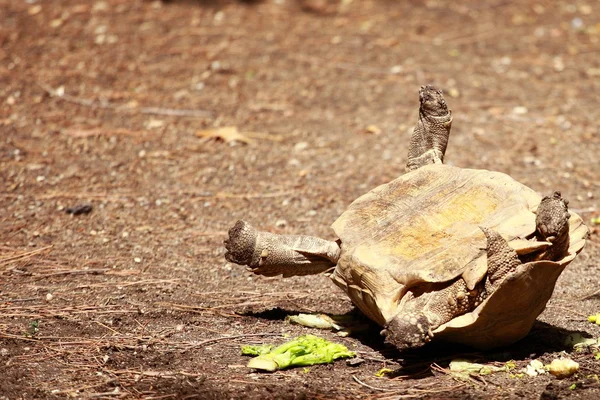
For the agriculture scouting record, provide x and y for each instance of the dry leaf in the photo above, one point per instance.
(373, 129)
(226, 134)
(231, 133)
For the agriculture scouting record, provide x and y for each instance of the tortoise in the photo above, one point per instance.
(442, 252)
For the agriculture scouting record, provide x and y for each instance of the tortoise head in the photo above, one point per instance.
(552, 218)
(408, 330)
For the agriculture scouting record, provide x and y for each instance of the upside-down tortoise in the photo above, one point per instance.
(464, 255)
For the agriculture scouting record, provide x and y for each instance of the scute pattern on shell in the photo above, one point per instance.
(425, 224)
(424, 227)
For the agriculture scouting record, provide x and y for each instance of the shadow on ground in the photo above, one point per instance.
(543, 338)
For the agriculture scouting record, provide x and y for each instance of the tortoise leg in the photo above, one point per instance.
(501, 259)
(270, 254)
(413, 326)
(552, 223)
(430, 135)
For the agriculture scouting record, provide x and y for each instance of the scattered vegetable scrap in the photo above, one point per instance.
(578, 341)
(595, 318)
(463, 368)
(383, 371)
(595, 221)
(319, 321)
(342, 324)
(299, 352)
(256, 350)
(563, 368)
(535, 368)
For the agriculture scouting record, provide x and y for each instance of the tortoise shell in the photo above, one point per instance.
(423, 227)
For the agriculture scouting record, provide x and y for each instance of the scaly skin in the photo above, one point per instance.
(430, 135)
(552, 224)
(270, 254)
(439, 303)
(429, 305)
(430, 308)
(501, 258)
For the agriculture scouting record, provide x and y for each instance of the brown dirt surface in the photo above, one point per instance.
(100, 103)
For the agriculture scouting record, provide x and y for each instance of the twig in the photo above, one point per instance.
(223, 195)
(123, 107)
(420, 393)
(346, 66)
(74, 272)
(253, 383)
(174, 112)
(24, 255)
(80, 388)
(107, 327)
(584, 210)
(154, 374)
(219, 339)
(466, 39)
(371, 387)
(589, 296)
(114, 392)
(568, 309)
(19, 300)
(10, 336)
(117, 196)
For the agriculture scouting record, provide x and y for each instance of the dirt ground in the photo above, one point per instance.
(101, 102)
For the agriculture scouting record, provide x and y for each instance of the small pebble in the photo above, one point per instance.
(520, 110)
(300, 146)
(577, 23)
(396, 69)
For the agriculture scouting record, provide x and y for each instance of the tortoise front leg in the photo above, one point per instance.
(431, 306)
(270, 254)
(430, 135)
(435, 304)
(501, 259)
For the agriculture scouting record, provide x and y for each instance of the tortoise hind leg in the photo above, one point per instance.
(430, 135)
(270, 254)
